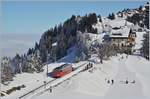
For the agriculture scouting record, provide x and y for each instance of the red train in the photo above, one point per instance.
(62, 70)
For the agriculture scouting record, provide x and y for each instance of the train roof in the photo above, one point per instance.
(60, 67)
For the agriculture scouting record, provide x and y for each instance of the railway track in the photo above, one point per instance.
(32, 91)
(50, 82)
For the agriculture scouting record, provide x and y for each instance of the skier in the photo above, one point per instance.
(112, 81)
(91, 65)
(108, 81)
(44, 84)
(133, 81)
(126, 82)
(50, 89)
(86, 67)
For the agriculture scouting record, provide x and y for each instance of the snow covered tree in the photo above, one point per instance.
(83, 45)
(30, 51)
(36, 46)
(62, 45)
(87, 22)
(6, 70)
(111, 16)
(106, 50)
(33, 63)
(100, 18)
(141, 18)
(45, 44)
(120, 14)
(16, 64)
(146, 19)
(101, 52)
(23, 63)
(38, 62)
(145, 47)
(140, 8)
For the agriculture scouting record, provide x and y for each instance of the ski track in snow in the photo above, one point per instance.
(120, 89)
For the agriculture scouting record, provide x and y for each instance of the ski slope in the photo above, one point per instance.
(93, 84)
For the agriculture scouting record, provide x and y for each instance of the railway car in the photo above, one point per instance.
(62, 70)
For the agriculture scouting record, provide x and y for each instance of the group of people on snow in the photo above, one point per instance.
(127, 81)
(88, 66)
(111, 81)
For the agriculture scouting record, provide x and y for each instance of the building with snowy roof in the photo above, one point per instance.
(122, 37)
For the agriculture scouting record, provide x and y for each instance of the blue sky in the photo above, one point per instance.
(35, 17)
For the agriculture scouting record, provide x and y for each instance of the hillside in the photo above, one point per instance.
(94, 82)
(116, 45)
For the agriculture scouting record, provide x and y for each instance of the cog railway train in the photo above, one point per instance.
(61, 71)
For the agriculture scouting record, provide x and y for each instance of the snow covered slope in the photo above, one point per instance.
(99, 26)
(94, 83)
(140, 67)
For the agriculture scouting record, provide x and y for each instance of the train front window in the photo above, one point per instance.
(58, 68)
(61, 67)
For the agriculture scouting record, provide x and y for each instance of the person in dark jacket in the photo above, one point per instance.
(50, 89)
(126, 82)
(112, 81)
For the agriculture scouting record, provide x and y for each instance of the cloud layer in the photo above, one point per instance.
(17, 43)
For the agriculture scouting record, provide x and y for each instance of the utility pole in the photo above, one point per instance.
(47, 70)
(54, 45)
(47, 63)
